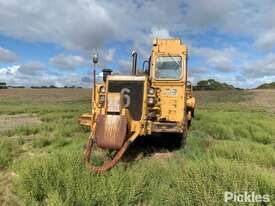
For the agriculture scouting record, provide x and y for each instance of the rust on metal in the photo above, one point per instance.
(114, 102)
(169, 127)
(85, 120)
(106, 165)
(110, 131)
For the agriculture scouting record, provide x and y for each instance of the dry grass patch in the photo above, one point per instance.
(13, 121)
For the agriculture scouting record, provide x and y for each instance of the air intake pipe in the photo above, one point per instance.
(134, 63)
(106, 73)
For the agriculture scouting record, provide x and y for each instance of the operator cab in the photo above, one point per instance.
(168, 60)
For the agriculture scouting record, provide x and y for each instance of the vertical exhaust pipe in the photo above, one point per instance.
(134, 63)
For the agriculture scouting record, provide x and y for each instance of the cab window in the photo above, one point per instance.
(168, 67)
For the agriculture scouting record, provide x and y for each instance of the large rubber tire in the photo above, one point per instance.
(170, 141)
(181, 140)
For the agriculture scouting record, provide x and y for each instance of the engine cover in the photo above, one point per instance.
(132, 92)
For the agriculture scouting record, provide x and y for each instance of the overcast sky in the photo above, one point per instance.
(50, 42)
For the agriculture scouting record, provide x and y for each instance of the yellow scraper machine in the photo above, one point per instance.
(124, 107)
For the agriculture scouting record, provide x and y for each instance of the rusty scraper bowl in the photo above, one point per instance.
(109, 133)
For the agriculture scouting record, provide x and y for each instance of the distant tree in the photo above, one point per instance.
(18, 87)
(3, 85)
(267, 86)
(212, 84)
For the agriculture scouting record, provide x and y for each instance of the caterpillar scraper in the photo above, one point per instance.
(125, 107)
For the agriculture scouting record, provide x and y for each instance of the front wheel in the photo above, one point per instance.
(181, 139)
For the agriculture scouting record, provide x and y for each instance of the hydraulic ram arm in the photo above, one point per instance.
(106, 165)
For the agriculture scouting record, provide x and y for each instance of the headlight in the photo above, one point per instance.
(101, 99)
(151, 90)
(151, 100)
(102, 89)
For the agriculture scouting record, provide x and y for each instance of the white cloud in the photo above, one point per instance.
(90, 25)
(109, 55)
(205, 14)
(14, 77)
(7, 56)
(266, 40)
(86, 79)
(67, 62)
(125, 66)
(253, 82)
(159, 33)
(86, 24)
(261, 68)
(32, 68)
(218, 77)
(80, 24)
(239, 17)
(250, 73)
(219, 59)
(197, 71)
(248, 18)
(9, 70)
(143, 43)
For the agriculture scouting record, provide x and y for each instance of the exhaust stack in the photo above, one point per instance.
(134, 63)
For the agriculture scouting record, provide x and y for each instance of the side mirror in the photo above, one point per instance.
(95, 58)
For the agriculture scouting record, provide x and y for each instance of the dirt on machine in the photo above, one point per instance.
(157, 100)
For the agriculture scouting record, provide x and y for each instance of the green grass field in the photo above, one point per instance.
(230, 147)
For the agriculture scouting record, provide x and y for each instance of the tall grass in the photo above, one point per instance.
(177, 181)
(235, 125)
(229, 148)
(6, 152)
